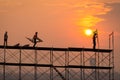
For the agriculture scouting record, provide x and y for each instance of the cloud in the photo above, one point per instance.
(79, 9)
(109, 1)
(93, 9)
(89, 21)
(83, 9)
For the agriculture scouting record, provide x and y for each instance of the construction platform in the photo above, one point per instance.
(56, 49)
(68, 59)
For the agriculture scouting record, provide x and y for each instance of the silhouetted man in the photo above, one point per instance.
(5, 38)
(35, 38)
(95, 35)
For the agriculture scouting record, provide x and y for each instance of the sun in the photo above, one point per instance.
(88, 32)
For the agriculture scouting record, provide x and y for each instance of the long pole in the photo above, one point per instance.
(4, 62)
(51, 62)
(35, 64)
(20, 66)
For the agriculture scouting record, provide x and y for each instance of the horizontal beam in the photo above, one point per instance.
(49, 65)
(89, 67)
(56, 49)
(33, 48)
(90, 49)
(25, 64)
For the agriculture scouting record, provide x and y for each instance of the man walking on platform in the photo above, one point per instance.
(36, 39)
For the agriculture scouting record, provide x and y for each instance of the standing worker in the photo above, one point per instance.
(95, 35)
(5, 38)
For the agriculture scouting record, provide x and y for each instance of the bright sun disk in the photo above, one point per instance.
(88, 32)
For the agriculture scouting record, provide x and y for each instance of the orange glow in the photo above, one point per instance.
(88, 32)
(88, 21)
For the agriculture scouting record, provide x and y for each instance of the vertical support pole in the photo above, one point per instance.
(95, 66)
(110, 36)
(97, 71)
(4, 63)
(109, 53)
(109, 65)
(68, 55)
(20, 65)
(66, 65)
(113, 55)
(98, 64)
(51, 62)
(112, 61)
(35, 75)
(81, 63)
(111, 45)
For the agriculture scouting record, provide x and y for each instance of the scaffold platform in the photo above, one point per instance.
(85, 62)
(57, 49)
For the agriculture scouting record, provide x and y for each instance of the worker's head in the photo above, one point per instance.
(95, 32)
(36, 33)
(5, 32)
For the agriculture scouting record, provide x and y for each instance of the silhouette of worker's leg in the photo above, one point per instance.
(6, 43)
(34, 44)
(94, 45)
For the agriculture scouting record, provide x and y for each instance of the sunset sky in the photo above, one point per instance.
(61, 23)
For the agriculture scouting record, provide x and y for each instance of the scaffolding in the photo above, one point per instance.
(49, 63)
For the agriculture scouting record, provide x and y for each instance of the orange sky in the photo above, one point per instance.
(60, 23)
